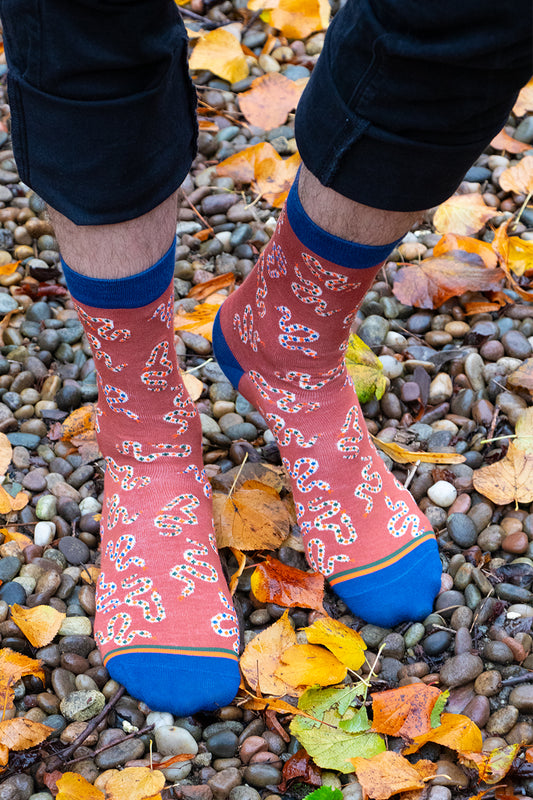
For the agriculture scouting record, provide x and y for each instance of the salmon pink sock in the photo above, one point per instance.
(165, 624)
(281, 338)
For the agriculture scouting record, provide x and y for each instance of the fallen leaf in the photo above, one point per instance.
(219, 51)
(516, 252)
(480, 308)
(524, 431)
(269, 100)
(262, 656)
(429, 283)
(455, 731)
(405, 711)
(175, 760)
(4, 755)
(251, 519)
(331, 747)
(317, 700)
(502, 141)
(14, 666)
(14, 536)
(345, 643)
(307, 664)
(4, 325)
(242, 165)
(524, 101)
(273, 704)
(6, 453)
(502, 248)
(509, 480)
(493, 766)
(9, 269)
(529, 755)
(274, 582)
(80, 423)
(400, 455)
(203, 290)
(438, 708)
(193, 385)
(134, 783)
(8, 503)
(388, 773)
(272, 476)
(300, 768)
(297, 19)
(518, 178)
(325, 793)
(20, 733)
(463, 214)
(39, 624)
(275, 176)
(450, 243)
(365, 369)
(241, 563)
(201, 319)
(357, 723)
(75, 787)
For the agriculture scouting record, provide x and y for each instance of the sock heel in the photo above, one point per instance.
(224, 356)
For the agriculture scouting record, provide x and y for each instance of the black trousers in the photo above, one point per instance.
(405, 95)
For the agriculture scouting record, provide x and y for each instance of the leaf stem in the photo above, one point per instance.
(523, 206)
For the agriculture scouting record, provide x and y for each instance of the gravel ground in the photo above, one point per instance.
(477, 642)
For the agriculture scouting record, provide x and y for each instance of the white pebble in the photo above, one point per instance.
(393, 339)
(442, 493)
(90, 505)
(392, 368)
(44, 533)
(172, 740)
(177, 771)
(158, 718)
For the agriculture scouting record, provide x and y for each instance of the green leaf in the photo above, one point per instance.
(331, 747)
(438, 708)
(357, 723)
(325, 793)
(365, 369)
(316, 701)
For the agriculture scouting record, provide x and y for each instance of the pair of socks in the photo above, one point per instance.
(165, 623)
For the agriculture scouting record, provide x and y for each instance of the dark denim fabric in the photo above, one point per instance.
(405, 96)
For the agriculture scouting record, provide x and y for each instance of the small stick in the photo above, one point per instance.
(411, 474)
(207, 23)
(518, 679)
(494, 420)
(202, 219)
(144, 730)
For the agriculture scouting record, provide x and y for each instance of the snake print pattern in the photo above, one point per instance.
(117, 513)
(287, 401)
(166, 451)
(119, 554)
(125, 476)
(364, 490)
(187, 573)
(224, 618)
(116, 398)
(284, 439)
(329, 509)
(402, 520)
(172, 524)
(136, 586)
(123, 636)
(335, 281)
(318, 561)
(246, 328)
(311, 294)
(156, 379)
(296, 336)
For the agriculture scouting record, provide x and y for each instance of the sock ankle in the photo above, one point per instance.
(280, 338)
(165, 624)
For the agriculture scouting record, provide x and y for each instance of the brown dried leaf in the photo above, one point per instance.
(6, 453)
(524, 101)
(502, 141)
(203, 290)
(509, 480)
(432, 281)
(301, 768)
(241, 563)
(81, 424)
(522, 378)
(262, 656)
(193, 385)
(402, 456)
(493, 766)
(386, 774)
(450, 243)
(39, 624)
(269, 100)
(20, 733)
(274, 582)
(518, 178)
(463, 214)
(251, 519)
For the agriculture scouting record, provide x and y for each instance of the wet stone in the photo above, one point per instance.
(172, 740)
(516, 345)
(373, 330)
(9, 568)
(223, 744)
(522, 698)
(119, 754)
(502, 721)
(75, 551)
(436, 643)
(28, 440)
(224, 781)
(12, 593)
(460, 670)
(262, 775)
(462, 530)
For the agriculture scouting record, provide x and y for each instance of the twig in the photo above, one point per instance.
(411, 474)
(493, 422)
(144, 730)
(198, 366)
(523, 206)
(255, 16)
(207, 23)
(518, 679)
(202, 219)
(93, 724)
(237, 476)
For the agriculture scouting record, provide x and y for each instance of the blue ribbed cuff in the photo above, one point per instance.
(132, 292)
(326, 245)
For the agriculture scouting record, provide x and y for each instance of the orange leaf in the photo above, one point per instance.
(521, 378)
(455, 731)
(14, 536)
(20, 733)
(81, 423)
(134, 783)
(493, 766)
(269, 100)
(274, 582)
(463, 214)
(274, 178)
(518, 178)
(449, 243)
(516, 254)
(9, 503)
(276, 705)
(529, 755)
(251, 519)
(203, 290)
(9, 269)
(405, 711)
(501, 246)
(14, 666)
(193, 385)
(90, 574)
(201, 319)
(297, 19)
(432, 281)
(502, 141)
(403, 456)
(175, 760)
(480, 308)
(38, 624)
(509, 480)
(219, 51)
(75, 787)
(241, 166)
(203, 235)
(307, 664)
(524, 101)
(4, 755)
(241, 563)
(386, 774)
(262, 656)
(345, 643)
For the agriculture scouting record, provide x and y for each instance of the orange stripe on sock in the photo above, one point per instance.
(378, 565)
(207, 652)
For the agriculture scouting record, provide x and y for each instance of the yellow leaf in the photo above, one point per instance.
(75, 787)
(39, 624)
(455, 731)
(524, 101)
(4, 755)
(9, 503)
(220, 52)
(134, 783)
(81, 423)
(463, 214)
(274, 177)
(251, 519)
(90, 573)
(193, 385)
(346, 644)
(9, 269)
(518, 178)
(493, 766)
(241, 563)
(201, 319)
(449, 243)
(6, 453)
(524, 430)
(14, 536)
(386, 774)
(502, 141)
(297, 19)
(262, 656)
(20, 733)
(307, 664)
(402, 456)
(14, 666)
(365, 369)
(509, 480)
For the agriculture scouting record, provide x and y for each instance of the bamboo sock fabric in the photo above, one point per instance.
(281, 338)
(165, 624)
